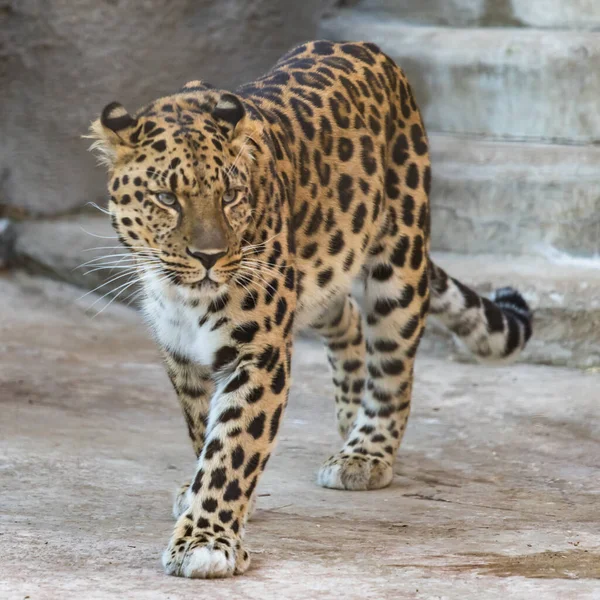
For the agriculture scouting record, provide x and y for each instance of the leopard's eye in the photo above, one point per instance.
(229, 196)
(167, 198)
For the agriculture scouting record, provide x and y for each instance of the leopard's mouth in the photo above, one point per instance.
(189, 278)
(206, 280)
(203, 286)
(206, 284)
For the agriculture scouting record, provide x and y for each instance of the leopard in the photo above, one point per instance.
(298, 201)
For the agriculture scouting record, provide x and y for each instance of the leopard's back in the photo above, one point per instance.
(344, 115)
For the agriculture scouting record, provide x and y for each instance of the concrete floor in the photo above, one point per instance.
(496, 492)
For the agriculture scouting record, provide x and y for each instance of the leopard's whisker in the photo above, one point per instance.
(103, 237)
(132, 268)
(135, 295)
(108, 282)
(121, 247)
(141, 291)
(264, 268)
(103, 210)
(262, 263)
(96, 261)
(255, 273)
(251, 246)
(253, 283)
(132, 255)
(114, 291)
(241, 285)
(116, 265)
(125, 287)
(129, 255)
(123, 261)
(239, 154)
(117, 291)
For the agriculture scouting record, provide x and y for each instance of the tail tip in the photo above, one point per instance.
(508, 296)
(511, 300)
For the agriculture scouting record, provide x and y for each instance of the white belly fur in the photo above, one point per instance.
(176, 327)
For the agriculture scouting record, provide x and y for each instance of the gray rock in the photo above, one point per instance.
(558, 14)
(502, 82)
(62, 62)
(79, 250)
(7, 242)
(495, 197)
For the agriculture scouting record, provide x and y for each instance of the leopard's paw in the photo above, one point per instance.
(182, 500)
(201, 554)
(345, 471)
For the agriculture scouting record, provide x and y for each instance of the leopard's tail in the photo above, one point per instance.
(492, 329)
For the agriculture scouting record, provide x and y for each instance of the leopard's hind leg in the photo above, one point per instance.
(340, 327)
(396, 302)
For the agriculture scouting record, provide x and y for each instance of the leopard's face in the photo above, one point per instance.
(180, 193)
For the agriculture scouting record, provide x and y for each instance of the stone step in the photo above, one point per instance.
(554, 14)
(564, 294)
(58, 248)
(501, 83)
(516, 198)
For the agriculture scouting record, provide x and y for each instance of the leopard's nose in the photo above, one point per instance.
(208, 258)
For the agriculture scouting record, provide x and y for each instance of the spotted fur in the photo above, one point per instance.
(249, 216)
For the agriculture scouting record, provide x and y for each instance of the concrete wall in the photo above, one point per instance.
(61, 61)
(547, 14)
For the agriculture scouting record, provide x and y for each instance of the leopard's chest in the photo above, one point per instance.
(186, 330)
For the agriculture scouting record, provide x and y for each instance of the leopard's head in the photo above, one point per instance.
(180, 184)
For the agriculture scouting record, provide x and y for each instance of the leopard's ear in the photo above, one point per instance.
(111, 132)
(230, 111)
(197, 85)
(116, 118)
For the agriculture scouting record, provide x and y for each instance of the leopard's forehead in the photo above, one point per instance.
(183, 113)
(177, 142)
(177, 122)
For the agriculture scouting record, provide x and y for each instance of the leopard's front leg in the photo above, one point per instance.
(243, 422)
(195, 387)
